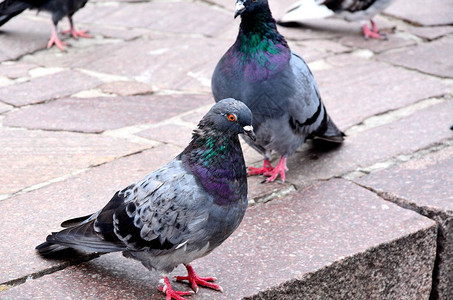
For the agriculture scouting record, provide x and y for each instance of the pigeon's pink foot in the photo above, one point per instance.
(373, 32)
(266, 169)
(54, 40)
(77, 33)
(172, 294)
(280, 168)
(196, 280)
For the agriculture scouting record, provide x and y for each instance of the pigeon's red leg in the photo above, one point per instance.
(280, 168)
(266, 169)
(196, 280)
(55, 40)
(172, 294)
(76, 33)
(373, 32)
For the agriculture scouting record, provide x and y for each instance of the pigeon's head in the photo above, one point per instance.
(249, 6)
(230, 116)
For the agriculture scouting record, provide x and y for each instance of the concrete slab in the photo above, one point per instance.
(172, 63)
(377, 144)
(423, 12)
(372, 88)
(424, 185)
(4, 107)
(28, 157)
(394, 41)
(173, 17)
(284, 250)
(47, 87)
(95, 115)
(431, 33)
(126, 88)
(16, 69)
(428, 58)
(23, 35)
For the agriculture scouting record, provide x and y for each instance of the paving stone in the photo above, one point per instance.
(4, 108)
(169, 133)
(431, 33)
(372, 88)
(23, 35)
(118, 33)
(423, 12)
(16, 69)
(393, 41)
(28, 218)
(47, 87)
(425, 186)
(174, 17)
(339, 239)
(173, 63)
(28, 158)
(429, 58)
(126, 88)
(374, 145)
(98, 114)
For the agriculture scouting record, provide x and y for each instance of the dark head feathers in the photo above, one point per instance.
(229, 116)
(250, 6)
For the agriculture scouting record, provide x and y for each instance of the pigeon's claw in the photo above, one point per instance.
(266, 170)
(373, 32)
(172, 294)
(279, 169)
(196, 280)
(77, 33)
(54, 40)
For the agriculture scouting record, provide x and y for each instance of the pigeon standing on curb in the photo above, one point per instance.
(350, 10)
(276, 84)
(181, 211)
(58, 8)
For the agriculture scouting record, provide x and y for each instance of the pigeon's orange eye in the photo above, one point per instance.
(232, 117)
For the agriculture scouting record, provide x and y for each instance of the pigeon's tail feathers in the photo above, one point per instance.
(78, 221)
(329, 132)
(306, 10)
(47, 249)
(11, 8)
(82, 237)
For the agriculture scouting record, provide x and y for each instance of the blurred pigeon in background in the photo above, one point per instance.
(276, 84)
(178, 213)
(58, 8)
(350, 10)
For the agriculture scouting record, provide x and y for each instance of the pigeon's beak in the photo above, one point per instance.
(240, 7)
(248, 130)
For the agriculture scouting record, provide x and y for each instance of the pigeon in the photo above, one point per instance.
(350, 10)
(276, 84)
(58, 8)
(179, 212)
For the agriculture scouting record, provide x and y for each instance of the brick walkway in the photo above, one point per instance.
(364, 220)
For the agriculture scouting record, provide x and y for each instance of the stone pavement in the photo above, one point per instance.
(372, 219)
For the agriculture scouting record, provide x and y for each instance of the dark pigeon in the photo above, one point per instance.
(276, 84)
(58, 8)
(350, 10)
(178, 213)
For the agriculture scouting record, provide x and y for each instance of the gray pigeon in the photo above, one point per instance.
(276, 84)
(178, 213)
(58, 9)
(350, 10)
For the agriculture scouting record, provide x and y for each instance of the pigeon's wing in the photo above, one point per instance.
(173, 211)
(11, 8)
(306, 110)
(160, 212)
(307, 114)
